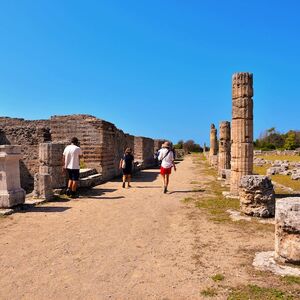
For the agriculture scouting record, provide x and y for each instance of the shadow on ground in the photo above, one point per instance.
(43, 209)
(280, 196)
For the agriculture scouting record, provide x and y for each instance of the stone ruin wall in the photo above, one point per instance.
(157, 144)
(101, 142)
(144, 151)
(28, 134)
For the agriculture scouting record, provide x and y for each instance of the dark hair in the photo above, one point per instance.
(75, 141)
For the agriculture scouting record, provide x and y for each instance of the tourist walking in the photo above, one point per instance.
(71, 164)
(126, 164)
(166, 157)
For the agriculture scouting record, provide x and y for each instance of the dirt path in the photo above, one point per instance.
(125, 244)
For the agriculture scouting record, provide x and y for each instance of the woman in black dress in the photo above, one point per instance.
(126, 165)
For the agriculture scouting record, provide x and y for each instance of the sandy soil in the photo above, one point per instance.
(136, 243)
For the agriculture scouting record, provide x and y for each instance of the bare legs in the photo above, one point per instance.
(126, 178)
(72, 186)
(165, 180)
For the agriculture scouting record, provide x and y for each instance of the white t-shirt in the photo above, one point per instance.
(167, 162)
(71, 154)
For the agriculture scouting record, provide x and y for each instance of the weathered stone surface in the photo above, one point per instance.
(287, 230)
(28, 134)
(257, 196)
(144, 151)
(224, 147)
(241, 129)
(11, 193)
(43, 186)
(213, 151)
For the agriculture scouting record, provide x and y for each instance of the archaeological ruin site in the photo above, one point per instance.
(228, 224)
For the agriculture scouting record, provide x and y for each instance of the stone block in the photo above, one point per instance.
(43, 186)
(287, 230)
(257, 196)
(242, 130)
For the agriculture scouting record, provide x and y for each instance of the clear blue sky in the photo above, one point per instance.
(154, 68)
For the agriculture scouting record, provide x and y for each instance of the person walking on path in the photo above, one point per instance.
(166, 157)
(71, 164)
(126, 164)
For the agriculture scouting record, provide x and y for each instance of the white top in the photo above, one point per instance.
(71, 155)
(167, 162)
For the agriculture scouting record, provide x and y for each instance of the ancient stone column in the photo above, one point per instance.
(213, 152)
(224, 147)
(241, 129)
(287, 230)
(11, 193)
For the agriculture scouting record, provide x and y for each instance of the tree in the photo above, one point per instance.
(290, 141)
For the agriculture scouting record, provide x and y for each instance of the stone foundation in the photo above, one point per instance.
(257, 196)
(287, 230)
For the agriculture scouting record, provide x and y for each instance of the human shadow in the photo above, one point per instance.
(281, 196)
(43, 209)
(187, 191)
(99, 194)
(146, 176)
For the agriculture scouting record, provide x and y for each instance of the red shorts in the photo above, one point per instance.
(165, 171)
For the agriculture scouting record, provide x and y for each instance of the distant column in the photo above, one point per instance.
(11, 193)
(224, 147)
(213, 145)
(241, 129)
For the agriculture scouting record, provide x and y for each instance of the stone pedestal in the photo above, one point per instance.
(241, 129)
(11, 193)
(257, 197)
(287, 230)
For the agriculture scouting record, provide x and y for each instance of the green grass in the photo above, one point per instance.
(258, 293)
(281, 179)
(188, 200)
(281, 157)
(209, 292)
(218, 277)
(291, 279)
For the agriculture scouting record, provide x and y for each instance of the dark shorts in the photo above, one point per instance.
(73, 174)
(127, 171)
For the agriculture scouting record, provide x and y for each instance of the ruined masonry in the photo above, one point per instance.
(213, 152)
(287, 230)
(257, 196)
(11, 193)
(241, 129)
(224, 148)
(102, 143)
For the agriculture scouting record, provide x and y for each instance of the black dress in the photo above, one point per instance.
(128, 158)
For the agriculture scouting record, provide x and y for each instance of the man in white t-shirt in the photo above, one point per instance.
(71, 161)
(166, 157)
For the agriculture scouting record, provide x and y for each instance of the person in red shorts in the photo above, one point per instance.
(166, 157)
